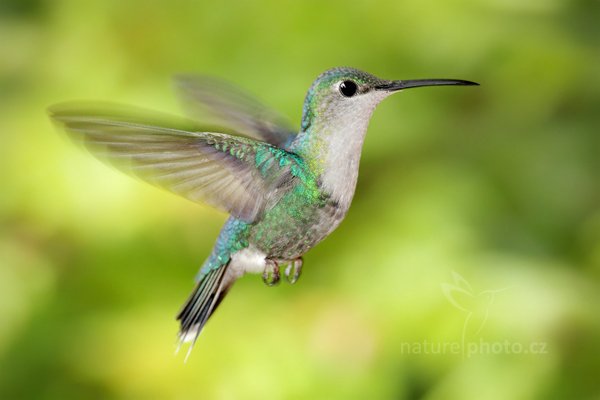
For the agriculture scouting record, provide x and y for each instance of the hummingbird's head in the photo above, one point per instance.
(346, 97)
(337, 110)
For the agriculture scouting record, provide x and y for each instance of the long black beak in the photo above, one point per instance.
(393, 86)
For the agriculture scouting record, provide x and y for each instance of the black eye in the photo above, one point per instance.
(348, 88)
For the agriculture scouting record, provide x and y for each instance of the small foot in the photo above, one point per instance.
(293, 270)
(271, 273)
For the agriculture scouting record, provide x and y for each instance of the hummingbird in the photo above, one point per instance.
(285, 190)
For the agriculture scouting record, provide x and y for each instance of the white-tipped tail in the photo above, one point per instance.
(207, 295)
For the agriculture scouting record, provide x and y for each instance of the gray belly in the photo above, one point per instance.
(288, 233)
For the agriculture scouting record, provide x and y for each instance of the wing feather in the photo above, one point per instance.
(211, 100)
(219, 169)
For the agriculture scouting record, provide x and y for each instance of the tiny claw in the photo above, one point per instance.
(293, 271)
(271, 273)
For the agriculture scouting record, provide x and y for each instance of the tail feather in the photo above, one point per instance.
(203, 301)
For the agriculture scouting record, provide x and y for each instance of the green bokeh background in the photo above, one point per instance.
(496, 186)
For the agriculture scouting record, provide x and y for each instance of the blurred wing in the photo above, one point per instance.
(208, 99)
(237, 175)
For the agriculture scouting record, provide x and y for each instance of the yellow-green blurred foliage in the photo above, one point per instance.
(462, 192)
